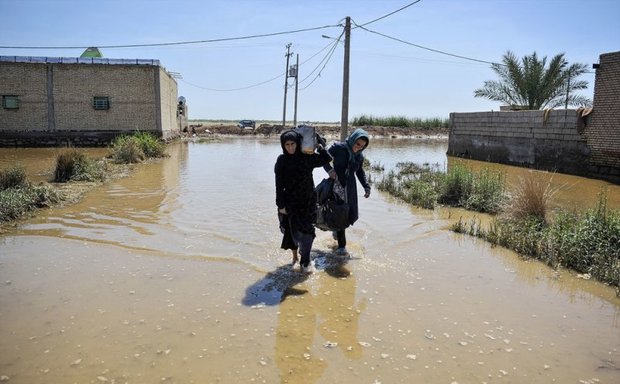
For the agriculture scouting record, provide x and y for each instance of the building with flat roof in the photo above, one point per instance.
(85, 101)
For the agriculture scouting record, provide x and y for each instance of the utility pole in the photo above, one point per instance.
(288, 54)
(344, 119)
(296, 87)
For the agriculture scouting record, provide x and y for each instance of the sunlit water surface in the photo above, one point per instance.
(174, 275)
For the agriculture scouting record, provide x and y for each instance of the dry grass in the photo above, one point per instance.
(530, 198)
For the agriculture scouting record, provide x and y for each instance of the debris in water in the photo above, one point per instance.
(585, 276)
(330, 344)
(364, 344)
(76, 362)
(412, 357)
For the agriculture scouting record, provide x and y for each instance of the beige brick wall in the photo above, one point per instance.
(603, 132)
(28, 82)
(168, 95)
(131, 89)
(142, 97)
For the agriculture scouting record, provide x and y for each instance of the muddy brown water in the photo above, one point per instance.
(174, 275)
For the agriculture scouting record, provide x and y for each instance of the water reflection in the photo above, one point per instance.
(175, 275)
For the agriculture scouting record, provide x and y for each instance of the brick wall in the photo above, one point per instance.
(525, 138)
(58, 97)
(556, 140)
(603, 132)
(29, 83)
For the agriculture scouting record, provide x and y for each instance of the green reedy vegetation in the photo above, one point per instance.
(129, 149)
(586, 242)
(425, 186)
(18, 196)
(74, 165)
(400, 121)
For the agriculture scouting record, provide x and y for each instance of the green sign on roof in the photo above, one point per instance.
(92, 52)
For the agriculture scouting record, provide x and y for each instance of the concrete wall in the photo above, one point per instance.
(556, 140)
(57, 97)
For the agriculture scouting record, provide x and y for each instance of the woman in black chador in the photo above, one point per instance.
(295, 196)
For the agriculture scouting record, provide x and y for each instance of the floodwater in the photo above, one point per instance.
(174, 275)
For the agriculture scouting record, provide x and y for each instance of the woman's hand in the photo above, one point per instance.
(367, 192)
(332, 174)
(282, 211)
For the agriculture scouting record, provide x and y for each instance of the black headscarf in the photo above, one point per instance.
(290, 135)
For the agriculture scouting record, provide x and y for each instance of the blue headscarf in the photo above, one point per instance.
(357, 134)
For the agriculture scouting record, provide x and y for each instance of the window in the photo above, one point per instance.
(10, 102)
(101, 102)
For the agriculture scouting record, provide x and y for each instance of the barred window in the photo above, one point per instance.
(101, 102)
(10, 102)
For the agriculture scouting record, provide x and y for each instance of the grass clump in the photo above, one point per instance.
(425, 186)
(587, 242)
(484, 191)
(18, 196)
(129, 149)
(74, 165)
(401, 121)
(14, 177)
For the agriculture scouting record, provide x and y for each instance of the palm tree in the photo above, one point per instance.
(530, 83)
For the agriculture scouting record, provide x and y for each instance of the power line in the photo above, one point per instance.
(325, 59)
(177, 42)
(389, 14)
(427, 48)
(232, 89)
(257, 84)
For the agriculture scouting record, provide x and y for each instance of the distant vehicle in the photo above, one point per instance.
(243, 124)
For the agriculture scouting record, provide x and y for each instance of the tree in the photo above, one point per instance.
(531, 83)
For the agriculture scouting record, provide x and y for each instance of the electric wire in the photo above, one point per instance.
(427, 48)
(325, 59)
(324, 65)
(256, 84)
(389, 14)
(178, 42)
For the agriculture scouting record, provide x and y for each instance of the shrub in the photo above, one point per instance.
(74, 165)
(586, 243)
(400, 121)
(13, 177)
(135, 148)
(150, 145)
(530, 198)
(456, 186)
(126, 149)
(16, 202)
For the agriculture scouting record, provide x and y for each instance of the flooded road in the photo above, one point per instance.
(174, 275)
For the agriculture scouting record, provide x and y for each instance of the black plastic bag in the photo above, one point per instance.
(332, 211)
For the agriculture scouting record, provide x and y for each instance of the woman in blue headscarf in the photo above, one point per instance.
(295, 197)
(347, 165)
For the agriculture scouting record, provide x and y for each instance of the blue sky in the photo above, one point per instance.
(387, 77)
